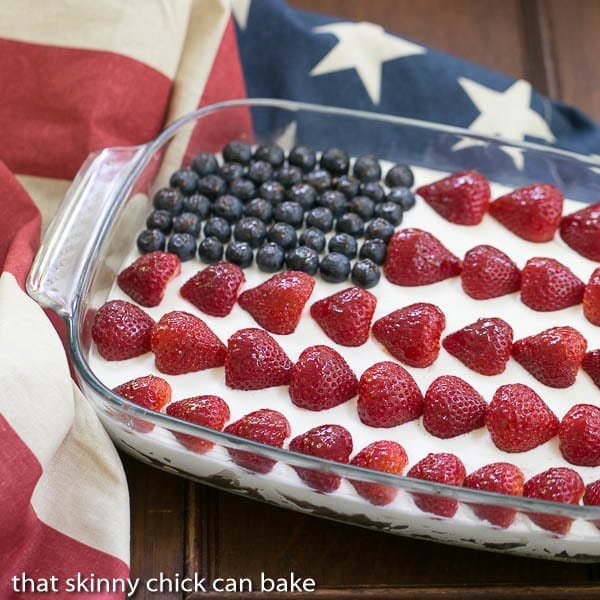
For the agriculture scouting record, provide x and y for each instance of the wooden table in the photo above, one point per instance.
(184, 528)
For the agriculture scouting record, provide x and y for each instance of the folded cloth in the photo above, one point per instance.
(79, 76)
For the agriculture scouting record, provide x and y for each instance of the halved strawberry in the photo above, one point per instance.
(579, 435)
(591, 365)
(489, 273)
(346, 316)
(591, 298)
(581, 231)
(146, 279)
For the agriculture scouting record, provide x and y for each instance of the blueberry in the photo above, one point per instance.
(313, 238)
(160, 219)
(348, 185)
(390, 211)
(260, 208)
(230, 171)
(185, 180)
(259, 171)
(251, 230)
(243, 188)
(210, 250)
(303, 157)
(289, 212)
(240, 254)
(219, 228)
(283, 234)
(272, 191)
(204, 163)
(379, 228)
(335, 201)
(343, 243)
(363, 206)
(271, 153)
(150, 240)
(373, 190)
(402, 196)
(320, 217)
(228, 207)
(303, 259)
(212, 186)
(399, 176)
(198, 204)
(270, 257)
(335, 160)
(320, 179)
(365, 273)
(168, 199)
(374, 249)
(335, 267)
(304, 194)
(288, 175)
(350, 223)
(183, 245)
(187, 222)
(237, 151)
(367, 168)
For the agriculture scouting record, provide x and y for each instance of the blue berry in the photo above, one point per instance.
(219, 228)
(365, 273)
(271, 153)
(185, 180)
(168, 199)
(251, 230)
(205, 163)
(212, 186)
(363, 206)
(304, 194)
(259, 171)
(390, 211)
(272, 191)
(303, 259)
(160, 219)
(367, 168)
(374, 249)
(243, 188)
(335, 267)
(321, 218)
(320, 179)
(399, 176)
(313, 238)
(283, 234)
(343, 243)
(260, 208)
(303, 157)
(210, 250)
(197, 203)
(335, 201)
(289, 212)
(288, 176)
(373, 190)
(230, 171)
(270, 257)
(228, 207)
(335, 160)
(402, 196)
(237, 151)
(183, 245)
(350, 223)
(150, 240)
(240, 254)
(379, 228)
(348, 185)
(187, 222)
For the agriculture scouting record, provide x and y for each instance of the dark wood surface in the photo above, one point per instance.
(184, 528)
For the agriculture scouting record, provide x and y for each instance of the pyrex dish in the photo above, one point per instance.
(93, 232)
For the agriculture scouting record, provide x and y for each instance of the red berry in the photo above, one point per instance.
(265, 426)
(591, 497)
(346, 316)
(441, 468)
(591, 298)
(332, 442)
(214, 290)
(277, 304)
(388, 396)
(146, 279)
(518, 419)
(208, 411)
(182, 343)
(121, 330)
(412, 334)
(383, 455)
(559, 484)
(579, 435)
(552, 356)
(547, 284)
(321, 379)
(255, 361)
(489, 273)
(501, 478)
(591, 365)
(416, 257)
(581, 231)
(532, 212)
(483, 346)
(461, 198)
(452, 407)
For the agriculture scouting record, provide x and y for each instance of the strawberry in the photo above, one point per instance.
(255, 361)
(388, 396)
(346, 316)
(150, 392)
(441, 468)
(581, 231)
(461, 198)
(146, 279)
(591, 298)
(452, 407)
(518, 419)
(532, 212)
(489, 273)
(552, 356)
(412, 334)
(383, 455)
(182, 343)
(559, 484)
(332, 442)
(121, 330)
(579, 435)
(214, 290)
(321, 379)
(208, 411)
(547, 284)
(277, 303)
(265, 426)
(501, 478)
(416, 257)
(591, 497)
(483, 346)
(591, 365)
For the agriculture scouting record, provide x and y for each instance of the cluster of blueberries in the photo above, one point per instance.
(289, 212)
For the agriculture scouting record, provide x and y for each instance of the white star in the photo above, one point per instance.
(363, 47)
(240, 10)
(287, 138)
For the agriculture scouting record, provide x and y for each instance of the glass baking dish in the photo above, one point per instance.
(92, 233)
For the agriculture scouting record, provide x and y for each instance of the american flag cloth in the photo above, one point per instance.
(78, 76)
